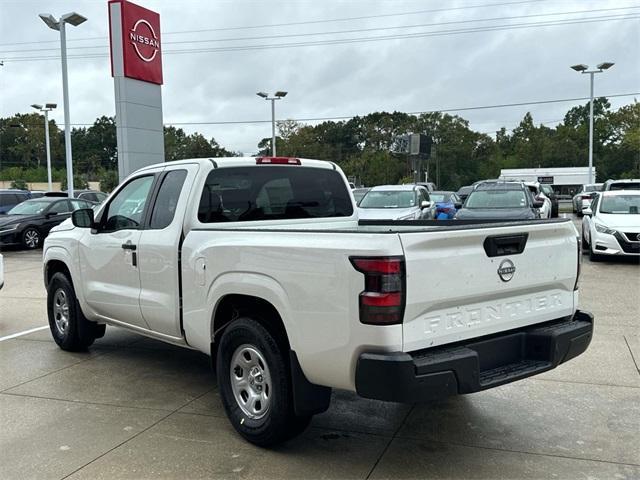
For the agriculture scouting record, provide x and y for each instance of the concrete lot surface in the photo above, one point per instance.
(135, 408)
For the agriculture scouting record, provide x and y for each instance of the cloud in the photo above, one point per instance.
(330, 80)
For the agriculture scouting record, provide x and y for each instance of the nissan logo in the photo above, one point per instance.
(146, 42)
(638, 237)
(506, 270)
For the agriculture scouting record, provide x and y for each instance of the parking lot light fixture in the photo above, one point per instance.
(47, 108)
(279, 95)
(73, 19)
(582, 68)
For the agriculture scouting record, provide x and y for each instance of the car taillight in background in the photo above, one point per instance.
(383, 300)
(277, 161)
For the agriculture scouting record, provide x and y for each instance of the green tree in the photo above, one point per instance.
(108, 181)
(79, 182)
(20, 185)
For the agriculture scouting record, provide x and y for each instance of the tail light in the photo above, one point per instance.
(383, 300)
(277, 161)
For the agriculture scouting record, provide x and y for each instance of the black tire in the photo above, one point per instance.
(76, 333)
(277, 422)
(31, 238)
(585, 244)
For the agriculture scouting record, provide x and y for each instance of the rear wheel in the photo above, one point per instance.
(31, 238)
(255, 384)
(69, 327)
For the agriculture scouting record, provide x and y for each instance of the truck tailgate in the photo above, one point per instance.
(471, 282)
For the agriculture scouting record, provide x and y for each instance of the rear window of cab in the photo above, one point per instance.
(271, 192)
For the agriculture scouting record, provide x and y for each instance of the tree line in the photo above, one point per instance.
(364, 146)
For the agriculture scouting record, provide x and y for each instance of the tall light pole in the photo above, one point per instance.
(582, 68)
(74, 19)
(277, 96)
(46, 109)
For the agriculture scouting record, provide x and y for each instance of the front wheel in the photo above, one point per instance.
(585, 244)
(69, 327)
(31, 238)
(254, 380)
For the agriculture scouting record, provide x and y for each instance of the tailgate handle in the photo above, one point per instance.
(500, 245)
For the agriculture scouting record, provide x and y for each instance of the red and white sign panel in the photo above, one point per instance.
(141, 43)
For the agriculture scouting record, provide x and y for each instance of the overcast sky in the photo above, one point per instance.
(434, 72)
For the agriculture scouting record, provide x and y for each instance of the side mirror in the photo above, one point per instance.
(587, 211)
(425, 204)
(458, 205)
(83, 218)
(538, 204)
(51, 214)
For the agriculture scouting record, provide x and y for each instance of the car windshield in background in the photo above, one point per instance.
(592, 188)
(496, 199)
(440, 197)
(621, 204)
(625, 186)
(359, 193)
(389, 199)
(29, 208)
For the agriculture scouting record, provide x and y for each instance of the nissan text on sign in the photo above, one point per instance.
(136, 67)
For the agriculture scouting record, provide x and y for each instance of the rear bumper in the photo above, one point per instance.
(472, 366)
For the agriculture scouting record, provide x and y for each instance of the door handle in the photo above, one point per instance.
(129, 246)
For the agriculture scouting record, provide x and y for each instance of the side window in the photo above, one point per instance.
(89, 196)
(165, 207)
(126, 209)
(60, 207)
(77, 204)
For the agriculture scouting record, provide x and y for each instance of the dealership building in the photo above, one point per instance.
(565, 181)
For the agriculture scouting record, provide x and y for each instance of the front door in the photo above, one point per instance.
(159, 259)
(108, 255)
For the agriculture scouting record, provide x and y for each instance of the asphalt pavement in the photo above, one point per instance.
(134, 408)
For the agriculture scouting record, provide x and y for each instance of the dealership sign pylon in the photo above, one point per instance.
(136, 67)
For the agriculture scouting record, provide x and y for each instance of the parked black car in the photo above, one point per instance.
(29, 223)
(9, 198)
(499, 201)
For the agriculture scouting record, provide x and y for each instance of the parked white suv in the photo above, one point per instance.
(626, 184)
(262, 264)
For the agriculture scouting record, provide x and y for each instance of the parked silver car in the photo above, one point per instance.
(397, 202)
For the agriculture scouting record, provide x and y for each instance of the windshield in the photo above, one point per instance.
(358, 193)
(29, 208)
(625, 186)
(592, 188)
(389, 199)
(440, 197)
(621, 204)
(496, 199)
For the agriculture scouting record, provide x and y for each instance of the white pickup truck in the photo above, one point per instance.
(262, 264)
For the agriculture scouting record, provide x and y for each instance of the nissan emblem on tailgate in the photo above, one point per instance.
(506, 270)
